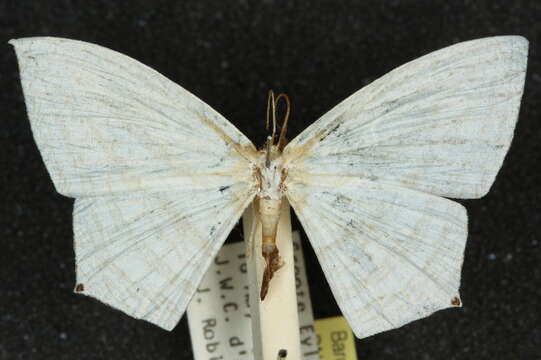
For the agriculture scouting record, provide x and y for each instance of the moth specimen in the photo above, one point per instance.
(160, 178)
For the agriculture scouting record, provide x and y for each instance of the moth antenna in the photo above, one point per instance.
(271, 102)
(268, 151)
(268, 108)
(283, 129)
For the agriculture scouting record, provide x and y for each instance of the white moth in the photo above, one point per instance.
(160, 178)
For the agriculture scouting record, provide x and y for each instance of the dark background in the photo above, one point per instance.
(229, 53)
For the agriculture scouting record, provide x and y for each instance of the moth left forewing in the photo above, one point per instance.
(391, 255)
(107, 124)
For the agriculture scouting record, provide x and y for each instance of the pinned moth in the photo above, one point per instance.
(160, 178)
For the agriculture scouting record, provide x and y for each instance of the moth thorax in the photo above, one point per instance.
(270, 175)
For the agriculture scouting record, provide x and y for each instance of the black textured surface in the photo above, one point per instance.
(229, 54)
